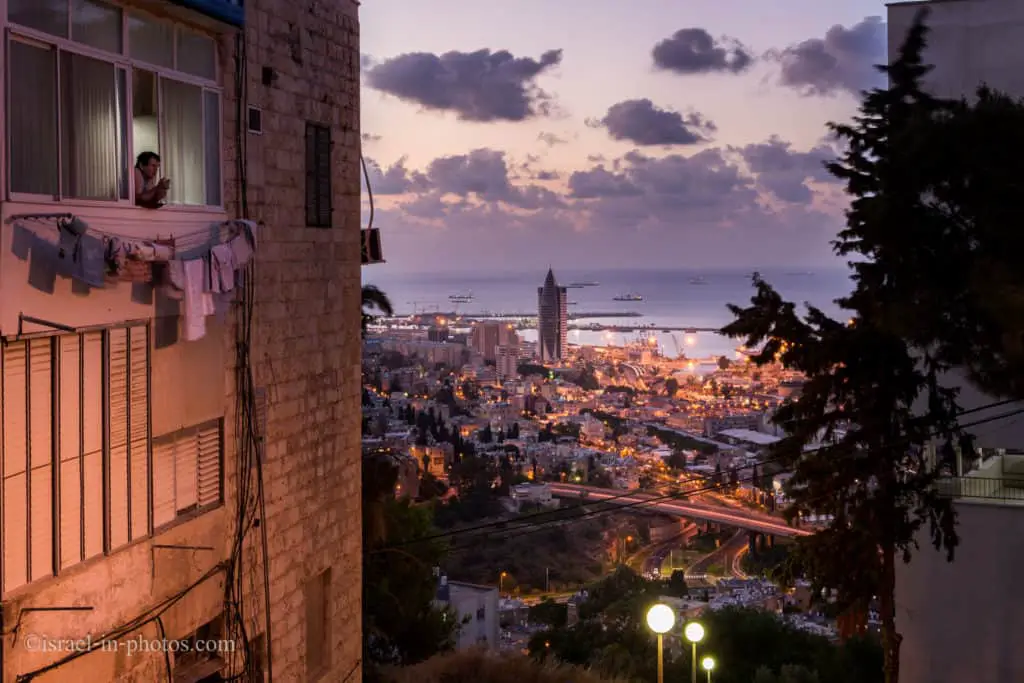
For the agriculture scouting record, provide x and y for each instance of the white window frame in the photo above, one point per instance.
(127, 63)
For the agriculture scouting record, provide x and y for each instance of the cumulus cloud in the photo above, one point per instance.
(484, 174)
(695, 51)
(551, 139)
(480, 86)
(785, 172)
(643, 123)
(547, 175)
(843, 61)
(395, 179)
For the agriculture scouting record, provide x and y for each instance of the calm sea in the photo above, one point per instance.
(670, 298)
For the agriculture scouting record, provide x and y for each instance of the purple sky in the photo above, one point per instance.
(639, 133)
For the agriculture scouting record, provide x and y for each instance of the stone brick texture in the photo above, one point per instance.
(306, 334)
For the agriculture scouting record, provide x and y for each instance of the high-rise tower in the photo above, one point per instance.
(552, 320)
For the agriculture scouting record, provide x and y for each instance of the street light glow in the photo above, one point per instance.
(708, 663)
(661, 618)
(694, 632)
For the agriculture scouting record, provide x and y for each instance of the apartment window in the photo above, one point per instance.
(92, 86)
(318, 176)
(75, 450)
(187, 471)
(318, 632)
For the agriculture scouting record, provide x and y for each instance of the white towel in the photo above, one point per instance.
(198, 304)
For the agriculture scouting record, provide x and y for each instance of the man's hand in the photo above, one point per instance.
(164, 183)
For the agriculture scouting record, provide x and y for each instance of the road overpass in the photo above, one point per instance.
(749, 520)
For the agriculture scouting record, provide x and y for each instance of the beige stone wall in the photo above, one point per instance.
(306, 349)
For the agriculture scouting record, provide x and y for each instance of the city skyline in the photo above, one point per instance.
(616, 136)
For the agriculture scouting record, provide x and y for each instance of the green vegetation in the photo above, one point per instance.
(769, 562)
(483, 667)
(401, 625)
(375, 304)
(611, 421)
(612, 638)
(919, 170)
(681, 442)
(671, 386)
(527, 369)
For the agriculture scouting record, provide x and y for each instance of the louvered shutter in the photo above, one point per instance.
(139, 431)
(92, 442)
(185, 451)
(117, 456)
(318, 176)
(69, 426)
(40, 449)
(164, 507)
(208, 489)
(14, 511)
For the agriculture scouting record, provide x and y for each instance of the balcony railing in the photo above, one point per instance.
(983, 488)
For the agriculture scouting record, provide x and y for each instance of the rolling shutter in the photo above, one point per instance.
(14, 541)
(164, 487)
(92, 443)
(139, 431)
(117, 453)
(40, 449)
(69, 424)
(208, 491)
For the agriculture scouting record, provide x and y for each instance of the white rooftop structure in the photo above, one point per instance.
(750, 436)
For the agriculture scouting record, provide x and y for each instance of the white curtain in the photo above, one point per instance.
(181, 110)
(93, 162)
(32, 114)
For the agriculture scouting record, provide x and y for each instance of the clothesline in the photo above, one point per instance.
(184, 237)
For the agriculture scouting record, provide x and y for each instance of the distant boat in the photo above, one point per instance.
(584, 283)
(628, 297)
(461, 298)
(698, 280)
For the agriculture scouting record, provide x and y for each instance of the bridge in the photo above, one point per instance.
(748, 520)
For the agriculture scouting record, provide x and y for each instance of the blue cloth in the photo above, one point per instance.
(90, 264)
(43, 265)
(22, 242)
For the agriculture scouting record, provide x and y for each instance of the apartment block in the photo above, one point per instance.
(487, 337)
(959, 619)
(180, 373)
(477, 610)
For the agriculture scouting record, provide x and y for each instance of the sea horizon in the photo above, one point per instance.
(679, 298)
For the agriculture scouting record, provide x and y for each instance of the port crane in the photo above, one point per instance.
(421, 307)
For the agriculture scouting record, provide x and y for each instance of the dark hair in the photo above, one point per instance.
(146, 157)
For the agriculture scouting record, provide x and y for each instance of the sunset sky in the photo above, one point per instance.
(640, 133)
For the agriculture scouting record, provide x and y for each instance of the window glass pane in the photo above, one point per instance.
(96, 24)
(181, 111)
(151, 41)
(212, 156)
(145, 124)
(197, 55)
(93, 128)
(49, 16)
(33, 119)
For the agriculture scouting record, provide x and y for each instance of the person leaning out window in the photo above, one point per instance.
(150, 188)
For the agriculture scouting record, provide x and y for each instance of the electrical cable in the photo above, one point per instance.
(369, 190)
(167, 654)
(526, 520)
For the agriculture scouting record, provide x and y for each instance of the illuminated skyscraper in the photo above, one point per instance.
(552, 320)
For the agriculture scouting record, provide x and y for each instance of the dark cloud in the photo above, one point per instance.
(550, 139)
(547, 175)
(370, 137)
(595, 158)
(643, 123)
(695, 51)
(396, 179)
(478, 86)
(600, 182)
(484, 175)
(843, 61)
(784, 172)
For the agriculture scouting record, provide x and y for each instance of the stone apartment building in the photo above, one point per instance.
(180, 451)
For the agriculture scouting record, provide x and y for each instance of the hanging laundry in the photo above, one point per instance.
(21, 243)
(43, 265)
(198, 303)
(222, 268)
(88, 261)
(244, 243)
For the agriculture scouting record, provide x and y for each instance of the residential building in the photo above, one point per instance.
(552, 320)
(532, 494)
(486, 337)
(955, 617)
(168, 474)
(477, 610)
(506, 362)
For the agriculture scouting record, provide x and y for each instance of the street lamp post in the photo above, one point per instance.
(660, 619)
(694, 633)
(709, 665)
(501, 582)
